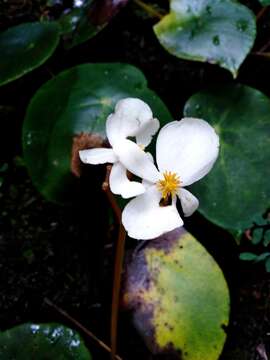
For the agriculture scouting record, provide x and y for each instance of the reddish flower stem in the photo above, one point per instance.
(119, 256)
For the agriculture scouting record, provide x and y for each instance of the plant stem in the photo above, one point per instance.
(119, 256)
(105, 187)
(80, 326)
(149, 9)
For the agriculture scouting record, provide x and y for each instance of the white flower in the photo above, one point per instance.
(132, 118)
(186, 151)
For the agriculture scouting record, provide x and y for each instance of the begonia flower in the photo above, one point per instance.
(186, 150)
(132, 118)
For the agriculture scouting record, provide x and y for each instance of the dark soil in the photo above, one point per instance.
(65, 254)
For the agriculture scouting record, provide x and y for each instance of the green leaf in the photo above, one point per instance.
(85, 21)
(179, 297)
(216, 31)
(266, 240)
(265, 2)
(259, 220)
(262, 257)
(248, 256)
(267, 265)
(257, 235)
(76, 101)
(25, 47)
(237, 188)
(42, 342)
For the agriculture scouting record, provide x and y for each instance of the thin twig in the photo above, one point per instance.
(119, 256)
(149, 9)
(264, 47)
(80, 326)
(261, 13)
(265, 55)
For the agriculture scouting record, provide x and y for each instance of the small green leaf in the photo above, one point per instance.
(25, 47)
(42, 342)
(259, 220)
(265, 2)
(216, 31)
(266, 240)
(248, 256)
(267, 265)
(76, 101)
(262, 257)
(238, 187)
(179, 297)
(257, 235)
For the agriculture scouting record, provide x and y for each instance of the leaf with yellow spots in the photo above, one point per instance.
(179, 297)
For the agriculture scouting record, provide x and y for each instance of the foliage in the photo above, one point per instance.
(176, 291)
(25, 47)
(220, 32)
(41, 342)
(265, 2)
(259, 235)
(237, 189)
(87, 19)
(74, 102)
(179, 297)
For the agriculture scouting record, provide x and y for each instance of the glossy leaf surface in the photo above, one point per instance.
(42, 342)
(87, 19)
(25, 47)
(178, 296)
(74, 102)
(237, 189)
(216, 31)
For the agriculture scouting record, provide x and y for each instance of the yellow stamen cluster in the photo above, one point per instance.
(169, 185)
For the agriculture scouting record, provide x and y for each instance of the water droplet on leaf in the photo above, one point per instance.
(242, 25)
(208, 9)
(216, 40)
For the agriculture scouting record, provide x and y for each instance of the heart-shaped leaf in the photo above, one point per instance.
(178, 296)
(238, 188)
(25, 47)
(41, 342)
(216, 31)
(74, 102)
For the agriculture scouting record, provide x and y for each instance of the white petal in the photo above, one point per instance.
(150, 156)
(144, 219)
(97, 156)
(130, 118)
(144, 137)
(188, 147)
(121, 185)
(146, 183)
(189, 202)
(136, 160)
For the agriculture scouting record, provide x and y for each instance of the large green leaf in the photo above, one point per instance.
(77, 100)
(179, 297)
(217, 31)
(238, 188)
(25, 47)
(42, 342)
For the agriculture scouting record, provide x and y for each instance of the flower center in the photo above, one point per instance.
(169, 185)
